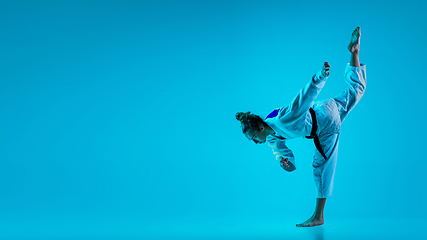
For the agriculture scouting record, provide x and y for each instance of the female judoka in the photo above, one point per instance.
(320, 121)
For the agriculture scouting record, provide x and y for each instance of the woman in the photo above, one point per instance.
(320, 121)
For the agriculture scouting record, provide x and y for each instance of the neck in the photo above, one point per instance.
(269, 130)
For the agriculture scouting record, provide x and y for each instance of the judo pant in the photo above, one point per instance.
(330, 114)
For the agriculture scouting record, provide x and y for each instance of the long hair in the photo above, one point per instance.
(250, 122)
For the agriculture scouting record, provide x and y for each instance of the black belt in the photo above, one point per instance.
(313, 133)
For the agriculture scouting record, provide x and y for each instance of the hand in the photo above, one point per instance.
(325, 70)
(287, 165)
(284, 162)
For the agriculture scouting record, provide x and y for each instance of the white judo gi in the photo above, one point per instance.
(294, 120)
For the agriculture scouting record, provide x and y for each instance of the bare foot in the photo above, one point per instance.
(354, 44)
(311, 222)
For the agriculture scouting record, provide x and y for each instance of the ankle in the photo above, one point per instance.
(318, 216)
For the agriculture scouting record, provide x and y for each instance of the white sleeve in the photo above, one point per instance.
(304, 100)
(280, 150)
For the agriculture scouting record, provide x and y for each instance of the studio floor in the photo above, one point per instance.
(215, 229)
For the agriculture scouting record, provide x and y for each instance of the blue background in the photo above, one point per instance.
(118, 117)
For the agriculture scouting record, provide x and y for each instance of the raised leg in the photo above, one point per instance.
(354, 47)
(355, 75)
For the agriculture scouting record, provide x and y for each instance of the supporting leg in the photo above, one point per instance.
(317, 218)
(324, 172)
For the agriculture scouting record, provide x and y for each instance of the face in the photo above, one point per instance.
(258, 137)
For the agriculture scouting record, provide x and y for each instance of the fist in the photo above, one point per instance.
(284, 162)
(287, 165)
(325, 70)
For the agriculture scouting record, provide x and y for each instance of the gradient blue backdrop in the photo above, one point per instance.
(118, 117)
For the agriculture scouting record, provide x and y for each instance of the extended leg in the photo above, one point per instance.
(354, 48)
(354, 60)
(355, 75)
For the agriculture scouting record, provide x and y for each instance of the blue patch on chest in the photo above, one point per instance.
(273, 114)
